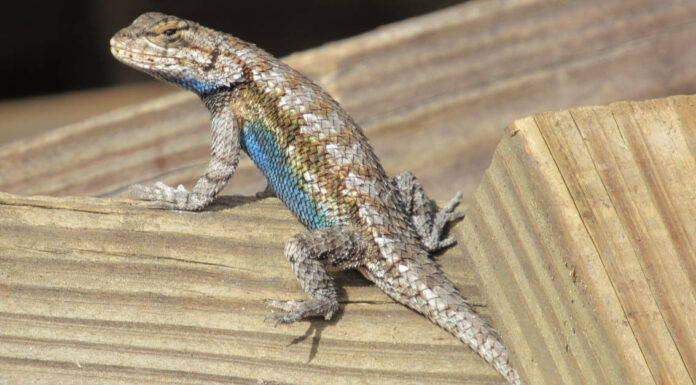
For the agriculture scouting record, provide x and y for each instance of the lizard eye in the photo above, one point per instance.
(167, 33)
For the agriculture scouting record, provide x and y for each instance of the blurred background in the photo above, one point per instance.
(433, 93)
(54, 46)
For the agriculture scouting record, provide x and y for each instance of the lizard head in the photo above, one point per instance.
(178, 51)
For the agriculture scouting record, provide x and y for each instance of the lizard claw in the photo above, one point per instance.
(293, 308)
(447, 242)
(145, 193)
(451, 205)
(162, 196)
(286, 318)
(158, 192)
(139, 191)
(298, 310)
(445, 215)
(447, 210)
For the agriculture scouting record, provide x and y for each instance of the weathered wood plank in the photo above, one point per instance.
(582, 234)
(432, 94)
(94, 290)
(35, 115)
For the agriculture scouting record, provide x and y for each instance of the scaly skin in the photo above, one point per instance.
(320, 165)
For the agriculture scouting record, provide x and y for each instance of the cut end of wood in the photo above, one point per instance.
(583, 237)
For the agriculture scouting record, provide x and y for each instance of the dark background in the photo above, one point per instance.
(51, 47)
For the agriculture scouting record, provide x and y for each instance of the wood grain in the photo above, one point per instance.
(101, 291)
(582, 234)
(432, 93)
(33, 116)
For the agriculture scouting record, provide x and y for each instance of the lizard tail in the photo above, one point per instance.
(471, 329)
(422, 286)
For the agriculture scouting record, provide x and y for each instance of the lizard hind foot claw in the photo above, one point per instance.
(440, 220)
(448, 211)
(286, 318)
(294, 311)
(298, 310)
(447, 243)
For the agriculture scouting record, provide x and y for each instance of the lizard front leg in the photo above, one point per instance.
(223, 163)
(428, 222)
(310, 254)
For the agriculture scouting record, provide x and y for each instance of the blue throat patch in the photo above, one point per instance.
(261, 145)
(193, 84)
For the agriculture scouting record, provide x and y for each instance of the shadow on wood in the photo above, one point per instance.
(432, 94)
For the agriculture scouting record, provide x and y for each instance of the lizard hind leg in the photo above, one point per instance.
(428, 222)
(311, 253)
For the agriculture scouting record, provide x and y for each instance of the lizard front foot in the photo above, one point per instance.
(297, 310)
(163, 196)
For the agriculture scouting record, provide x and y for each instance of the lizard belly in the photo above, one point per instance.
(262, 147)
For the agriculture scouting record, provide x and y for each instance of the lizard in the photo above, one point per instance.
(319, 163)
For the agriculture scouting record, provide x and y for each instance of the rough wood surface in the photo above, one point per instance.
(92, 290)
(433, 94)
(34, 116)
(583, 234)
(101, 291)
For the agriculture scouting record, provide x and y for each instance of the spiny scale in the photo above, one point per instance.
(319, 164)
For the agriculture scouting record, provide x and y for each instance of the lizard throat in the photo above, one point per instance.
(191, 82)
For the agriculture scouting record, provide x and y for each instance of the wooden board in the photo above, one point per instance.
(33, 116)
(583, 235)
(433, 94)
(100, 291)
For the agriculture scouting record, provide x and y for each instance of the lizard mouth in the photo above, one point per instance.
(142, 59)
(134, 58)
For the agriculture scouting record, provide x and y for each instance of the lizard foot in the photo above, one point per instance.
(446, 214)
(163, 196)
(297, 310)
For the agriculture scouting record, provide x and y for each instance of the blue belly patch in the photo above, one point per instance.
(261, 145)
